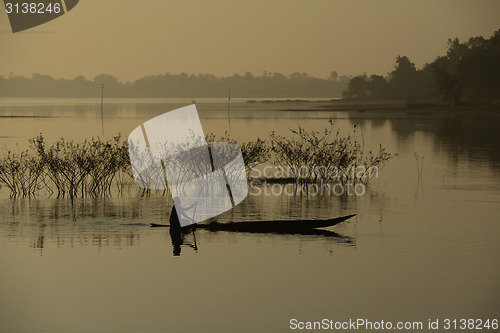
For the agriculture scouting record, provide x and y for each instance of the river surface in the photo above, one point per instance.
(420, 247)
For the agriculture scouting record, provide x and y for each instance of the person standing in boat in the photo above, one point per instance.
(176, 234)
(178, 212)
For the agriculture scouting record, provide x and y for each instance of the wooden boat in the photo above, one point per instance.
(286, 226)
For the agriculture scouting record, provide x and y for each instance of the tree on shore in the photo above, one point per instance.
(469, 71)
(358, 87)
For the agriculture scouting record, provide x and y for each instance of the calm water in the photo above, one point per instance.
(417, 249)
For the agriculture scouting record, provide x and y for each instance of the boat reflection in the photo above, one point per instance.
(338, 238)
(125, 222)
(177, 236)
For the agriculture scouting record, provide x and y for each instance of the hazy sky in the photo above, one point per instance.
(131, 38)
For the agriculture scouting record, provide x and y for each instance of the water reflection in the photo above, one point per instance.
(334, 236)
(124, 222)
(431, 239)
(177, 236)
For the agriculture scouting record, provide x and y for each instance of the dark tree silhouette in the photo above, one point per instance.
(379, 87)
(358, 87)
(469, 70)
(403, 78)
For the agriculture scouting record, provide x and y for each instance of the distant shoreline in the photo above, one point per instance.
(378, 106)
(363, 107)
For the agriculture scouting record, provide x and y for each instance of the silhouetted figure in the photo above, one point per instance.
(176, 231)
(180, 212)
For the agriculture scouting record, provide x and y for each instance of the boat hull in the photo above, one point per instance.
(267, 226)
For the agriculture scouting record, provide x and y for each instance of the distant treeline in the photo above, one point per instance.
(469, 72)
(177, 85)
